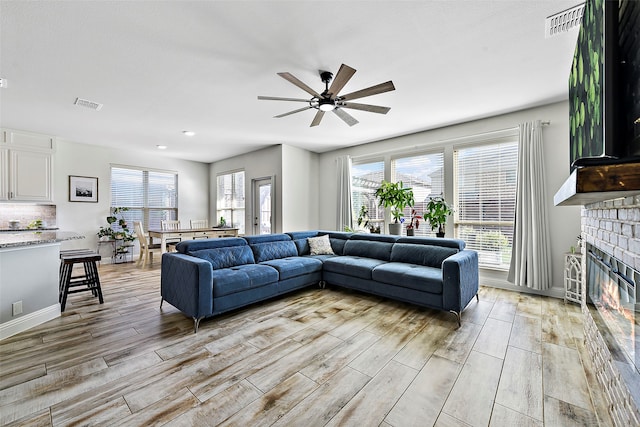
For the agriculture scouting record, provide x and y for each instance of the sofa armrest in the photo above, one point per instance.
(186, 283)
(460, 279)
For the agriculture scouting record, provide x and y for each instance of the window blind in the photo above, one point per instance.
(424, 173)
(485, 195)
(150, 196)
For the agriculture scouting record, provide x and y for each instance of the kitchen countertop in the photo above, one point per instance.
(24, 238)
(9, 230)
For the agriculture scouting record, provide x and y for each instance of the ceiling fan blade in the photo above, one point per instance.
(317, 118)
(366, 107)
(344, 75)
(373, 90)
(292, 112)
(277, 98)
(346, 117)
(290, 78)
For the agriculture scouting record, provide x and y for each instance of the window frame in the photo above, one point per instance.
(242, 224)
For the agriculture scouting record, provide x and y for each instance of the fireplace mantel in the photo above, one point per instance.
(591, 184)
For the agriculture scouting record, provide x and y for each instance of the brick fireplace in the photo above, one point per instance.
(613, 227)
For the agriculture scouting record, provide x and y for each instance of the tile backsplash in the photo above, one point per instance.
(25, 213)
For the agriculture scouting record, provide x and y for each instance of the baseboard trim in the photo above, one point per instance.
(28, 321)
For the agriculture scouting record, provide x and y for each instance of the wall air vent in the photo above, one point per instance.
(564, 21)
(88, 104)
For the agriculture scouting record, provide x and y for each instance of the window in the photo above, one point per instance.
(230, 204)
(485, 200)
(151, 196)
(425, 175)
(365, 179)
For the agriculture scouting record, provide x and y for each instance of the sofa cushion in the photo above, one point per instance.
(352, 266)
(225, 257)
(273, 250)
(294, 266)
(300, 239)
(320, 245)
(435, 241)
(368, 249)
(241, 278)
(265, 238)
(411, 276)
(198, 244)
(431, 256)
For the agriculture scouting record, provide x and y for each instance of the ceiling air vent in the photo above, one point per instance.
(564, 21)
(88, 104)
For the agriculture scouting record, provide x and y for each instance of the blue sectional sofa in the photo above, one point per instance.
(206, 277)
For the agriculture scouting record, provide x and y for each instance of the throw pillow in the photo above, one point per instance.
(320, 245)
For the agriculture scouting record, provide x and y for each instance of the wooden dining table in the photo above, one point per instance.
(189, 234)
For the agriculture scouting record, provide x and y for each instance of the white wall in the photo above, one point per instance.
(564, 221)
(95, 161)
(263, 163)
(300, 188)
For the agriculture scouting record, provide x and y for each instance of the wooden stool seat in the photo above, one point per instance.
(89, 281)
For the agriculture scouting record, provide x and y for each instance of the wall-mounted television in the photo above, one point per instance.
(594, 87)
(604, 85)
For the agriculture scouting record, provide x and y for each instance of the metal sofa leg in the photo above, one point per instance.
(322, 284)
(161, 301)
(196, 323)
(477, 297)
(458, 315)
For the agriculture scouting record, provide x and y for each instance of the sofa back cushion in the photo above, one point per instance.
(338, 240)
(300, 240)
(226, 257)
(368, 249)
(435, 241)
(427, 255)
(266, 238)
(273, 250)
(199, 244)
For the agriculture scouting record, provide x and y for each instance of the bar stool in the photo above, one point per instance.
(89, 281)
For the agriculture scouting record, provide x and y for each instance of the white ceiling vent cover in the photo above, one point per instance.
(88, 104)
(564, 21)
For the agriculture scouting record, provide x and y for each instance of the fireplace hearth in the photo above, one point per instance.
(612, 296)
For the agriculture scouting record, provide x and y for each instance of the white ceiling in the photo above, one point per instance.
(163, 67)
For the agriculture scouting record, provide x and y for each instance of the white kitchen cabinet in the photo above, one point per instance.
(26, 160)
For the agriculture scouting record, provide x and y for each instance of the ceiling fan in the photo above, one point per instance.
(329, 100)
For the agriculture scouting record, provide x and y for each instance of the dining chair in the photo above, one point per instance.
(146, 249)
(199, 223)
(171, 225)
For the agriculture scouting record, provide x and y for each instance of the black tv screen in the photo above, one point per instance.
(593, 83)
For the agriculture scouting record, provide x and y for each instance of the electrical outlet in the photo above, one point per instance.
(16, 307)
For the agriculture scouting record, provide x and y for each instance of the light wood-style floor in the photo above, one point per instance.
(313, 358)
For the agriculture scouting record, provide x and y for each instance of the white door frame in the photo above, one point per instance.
(255, 202)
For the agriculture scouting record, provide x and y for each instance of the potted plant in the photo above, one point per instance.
(108, 233)
(437, 211)
(415, 219)
(393, 195)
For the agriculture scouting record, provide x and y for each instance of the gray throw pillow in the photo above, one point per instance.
(320, 245)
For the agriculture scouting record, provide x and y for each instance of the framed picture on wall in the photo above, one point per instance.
(83, 189)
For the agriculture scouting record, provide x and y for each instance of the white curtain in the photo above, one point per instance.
(531, 255)
(345, 213)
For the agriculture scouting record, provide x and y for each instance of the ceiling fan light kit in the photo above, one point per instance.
(329, 100)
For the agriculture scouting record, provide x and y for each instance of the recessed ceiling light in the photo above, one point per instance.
(161, 147)
(188, 132)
